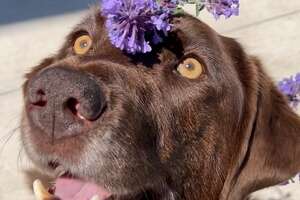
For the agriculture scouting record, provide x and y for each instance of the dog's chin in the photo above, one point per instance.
(72, 181)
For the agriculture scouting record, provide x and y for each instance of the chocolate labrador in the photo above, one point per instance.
(195, 119)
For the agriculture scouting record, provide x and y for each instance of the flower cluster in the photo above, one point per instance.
(291, 88)
(223, 7)
(133, 25)
(218, 8)
(129, 22)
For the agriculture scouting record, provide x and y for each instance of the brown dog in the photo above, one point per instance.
(149, 127)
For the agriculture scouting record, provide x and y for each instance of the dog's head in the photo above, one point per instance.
(173, 123)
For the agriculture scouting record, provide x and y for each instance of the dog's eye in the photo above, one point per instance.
(82, 44)
(190, 68)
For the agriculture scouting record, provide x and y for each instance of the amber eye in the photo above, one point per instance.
(82, 44)
(190, 68)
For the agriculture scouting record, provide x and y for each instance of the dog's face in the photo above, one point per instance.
(139, 123)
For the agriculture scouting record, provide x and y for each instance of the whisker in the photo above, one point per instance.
(13, 119)
(19, 159)
(5, 139)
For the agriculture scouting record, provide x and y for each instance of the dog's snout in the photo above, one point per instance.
(61, 101)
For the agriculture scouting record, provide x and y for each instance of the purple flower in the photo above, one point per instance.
(291, 88)
(222, 7)
(134, 24)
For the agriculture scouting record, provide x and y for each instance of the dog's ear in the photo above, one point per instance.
(268, 151)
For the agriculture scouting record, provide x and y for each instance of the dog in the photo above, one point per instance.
(195, 119)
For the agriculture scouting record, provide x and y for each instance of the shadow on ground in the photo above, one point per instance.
(12, 11)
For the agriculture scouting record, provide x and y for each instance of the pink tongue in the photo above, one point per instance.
(75, 189)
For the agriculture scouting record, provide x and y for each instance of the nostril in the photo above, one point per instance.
(41, 99)
(72, 104)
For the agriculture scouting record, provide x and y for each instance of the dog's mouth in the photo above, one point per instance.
(70, 189)
(68, 186)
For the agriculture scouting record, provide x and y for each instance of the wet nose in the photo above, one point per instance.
(62, 101)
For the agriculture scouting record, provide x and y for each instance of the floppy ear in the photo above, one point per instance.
(269, 148)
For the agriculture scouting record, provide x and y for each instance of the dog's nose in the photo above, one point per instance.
(63, 101)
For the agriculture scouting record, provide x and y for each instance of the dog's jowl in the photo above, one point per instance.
(196, 118)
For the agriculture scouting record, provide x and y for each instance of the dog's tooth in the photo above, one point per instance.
(60, 173)
(96, 197)
(40, 191)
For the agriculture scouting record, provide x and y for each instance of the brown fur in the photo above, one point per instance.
(222, 136)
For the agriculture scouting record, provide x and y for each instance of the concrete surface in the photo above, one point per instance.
(269, 29)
